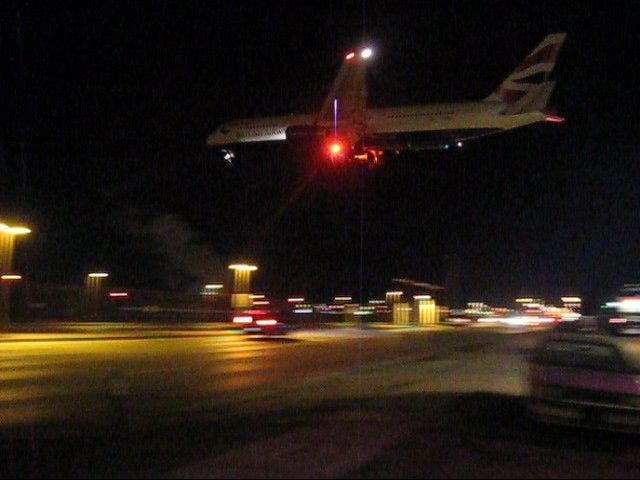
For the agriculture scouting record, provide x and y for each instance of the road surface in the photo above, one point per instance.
(202, 402)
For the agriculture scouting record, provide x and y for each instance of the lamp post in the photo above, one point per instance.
(8, 236)
(241, 284)
(93, 290)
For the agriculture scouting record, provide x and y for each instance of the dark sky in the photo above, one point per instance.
(106, 107)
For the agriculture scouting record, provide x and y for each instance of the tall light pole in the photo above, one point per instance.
(93, 290)
(7, 277)
(241, 284)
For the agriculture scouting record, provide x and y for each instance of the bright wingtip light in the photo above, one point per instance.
(366, 53)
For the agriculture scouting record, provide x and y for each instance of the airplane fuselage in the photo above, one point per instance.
(395, 127)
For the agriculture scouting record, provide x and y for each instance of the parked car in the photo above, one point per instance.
(587, 371)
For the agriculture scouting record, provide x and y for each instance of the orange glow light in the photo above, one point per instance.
(335, 148)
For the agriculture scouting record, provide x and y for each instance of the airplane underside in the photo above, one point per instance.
(425, 140)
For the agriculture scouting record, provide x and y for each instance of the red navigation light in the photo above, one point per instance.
(335, 148)
(350, 55)
(553, 119)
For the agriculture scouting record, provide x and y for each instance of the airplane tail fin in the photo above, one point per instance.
(527, 88)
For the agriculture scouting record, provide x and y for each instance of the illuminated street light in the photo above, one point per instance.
(240, 297)
(93, 291)
(7, 244)
(14, 230)
(8, 236)
(243, 267)
(10, 277)
(98, 275)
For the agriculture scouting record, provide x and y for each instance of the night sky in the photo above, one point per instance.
(106, 108)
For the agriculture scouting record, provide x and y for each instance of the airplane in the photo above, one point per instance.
(347, 130)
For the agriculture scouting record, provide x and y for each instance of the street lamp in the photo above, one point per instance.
(8, 235)
(93, 290)
(241, 284)
(7, 242)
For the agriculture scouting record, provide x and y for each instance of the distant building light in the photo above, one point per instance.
(295, 299)
(524, 300)
(571, 299)
(98, 275)
(261, 302)
(343, 299)
(256, 296)
(618, 320)
(302, 310)
(213, 286)
(118, 294)
(422, 297)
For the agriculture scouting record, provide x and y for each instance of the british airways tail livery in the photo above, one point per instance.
(345, 129)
